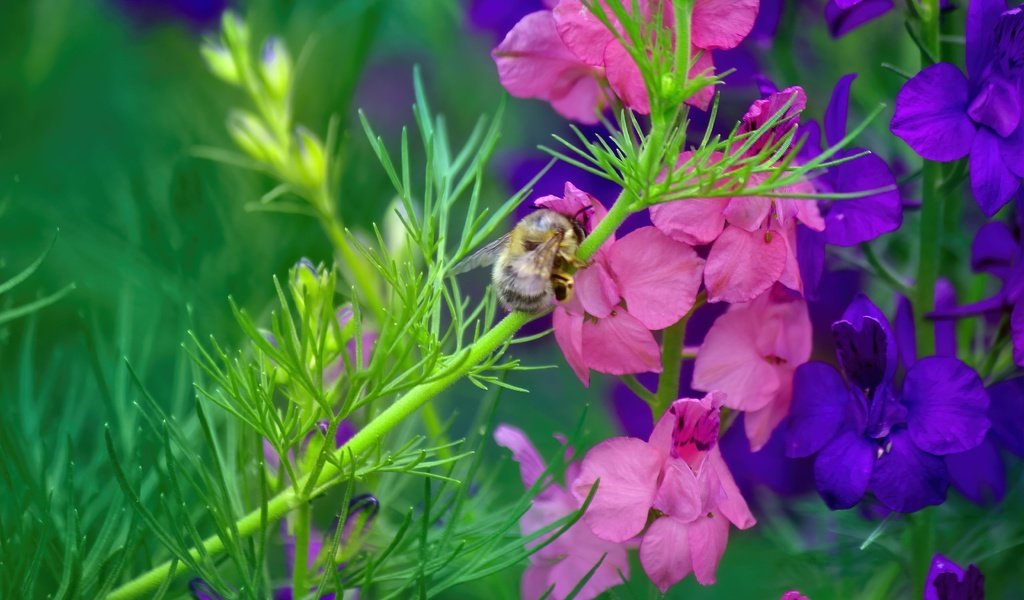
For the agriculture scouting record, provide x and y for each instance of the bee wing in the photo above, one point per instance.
(482, 257)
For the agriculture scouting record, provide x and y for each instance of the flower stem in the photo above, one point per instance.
(932, 196)
(301, 532)
(640, 390)
(355, 266)
(671, 365)
(334, 471)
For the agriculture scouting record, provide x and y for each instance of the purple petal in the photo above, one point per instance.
(810, 254)
(940, 564)
(850, 222)
(945, 330)
(862, 352)
(836, 111)
(1011, 148)
(1017, 332)
(978, 474)
(820, 400)
(904, 328)
(862, 309)
(992, 182)
(994, 250)
(931, 114)
(982, 16)
(997, 106)
(1007, 414)
(946, 405)
(843, 470)
(842, 21)
(907, 479)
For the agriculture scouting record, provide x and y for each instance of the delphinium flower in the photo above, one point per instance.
(980, 474)
(767, 473)
(946, 116)
(568, 558)
(635, 284)
(673, 491)
(949, 581)
(362, 510)
(1000, 253)
(793, 595)
(852, 221)
(568, 57)
(753, 239)
(874, 436)
(750, 355)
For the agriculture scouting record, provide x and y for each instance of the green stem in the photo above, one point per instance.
(356, 267)
(930, 241)
(301, 533)
(639, 389)
(334, 471)
(683, 14)
(671, 365)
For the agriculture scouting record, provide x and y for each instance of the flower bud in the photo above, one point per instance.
(235, 31)
(253, 137)
(396, 238)
(276, 67)
(220, 62)
(312, 164)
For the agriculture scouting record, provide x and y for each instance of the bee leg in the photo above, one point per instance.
(562, 286)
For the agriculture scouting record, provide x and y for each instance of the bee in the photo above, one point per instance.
(533, 263)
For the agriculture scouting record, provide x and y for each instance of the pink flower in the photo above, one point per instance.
(679, 473)
(566, 55)
(793, 595)
(656, 277)
(566, 560)
(753, 239)
(751, 353)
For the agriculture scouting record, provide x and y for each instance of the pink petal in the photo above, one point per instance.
(686, 423)
(596, 290)
(730, 361)
(659, 276)
(575, 204)
(533, 62)
(569, 335)
(728, 499)
(625, 78)
(748, 212)
(531, 465)
(722, 24)
(665, 552)
(708, 536)
(742, 265)
(703, 66)
(583, 33)
(620, 345)
(535, 581)
(678, 495)
(581, 552)
(695, 222)
(581, 100)
(760, 424)
(790, 276)
(628, 469)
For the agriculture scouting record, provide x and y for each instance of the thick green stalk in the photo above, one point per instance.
(364, 440)
(683, 15)
(301, 528)
(930, 241)
(671, 365)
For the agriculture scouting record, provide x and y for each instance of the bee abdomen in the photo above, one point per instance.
(513, 300)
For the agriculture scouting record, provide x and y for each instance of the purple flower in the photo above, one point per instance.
(843, 16)
(946, 116)
(998, 252)
(873, 436)
(979, 474)
(948, 581)
(847, 222)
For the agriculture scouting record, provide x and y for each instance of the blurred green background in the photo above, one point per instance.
(102, 104)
